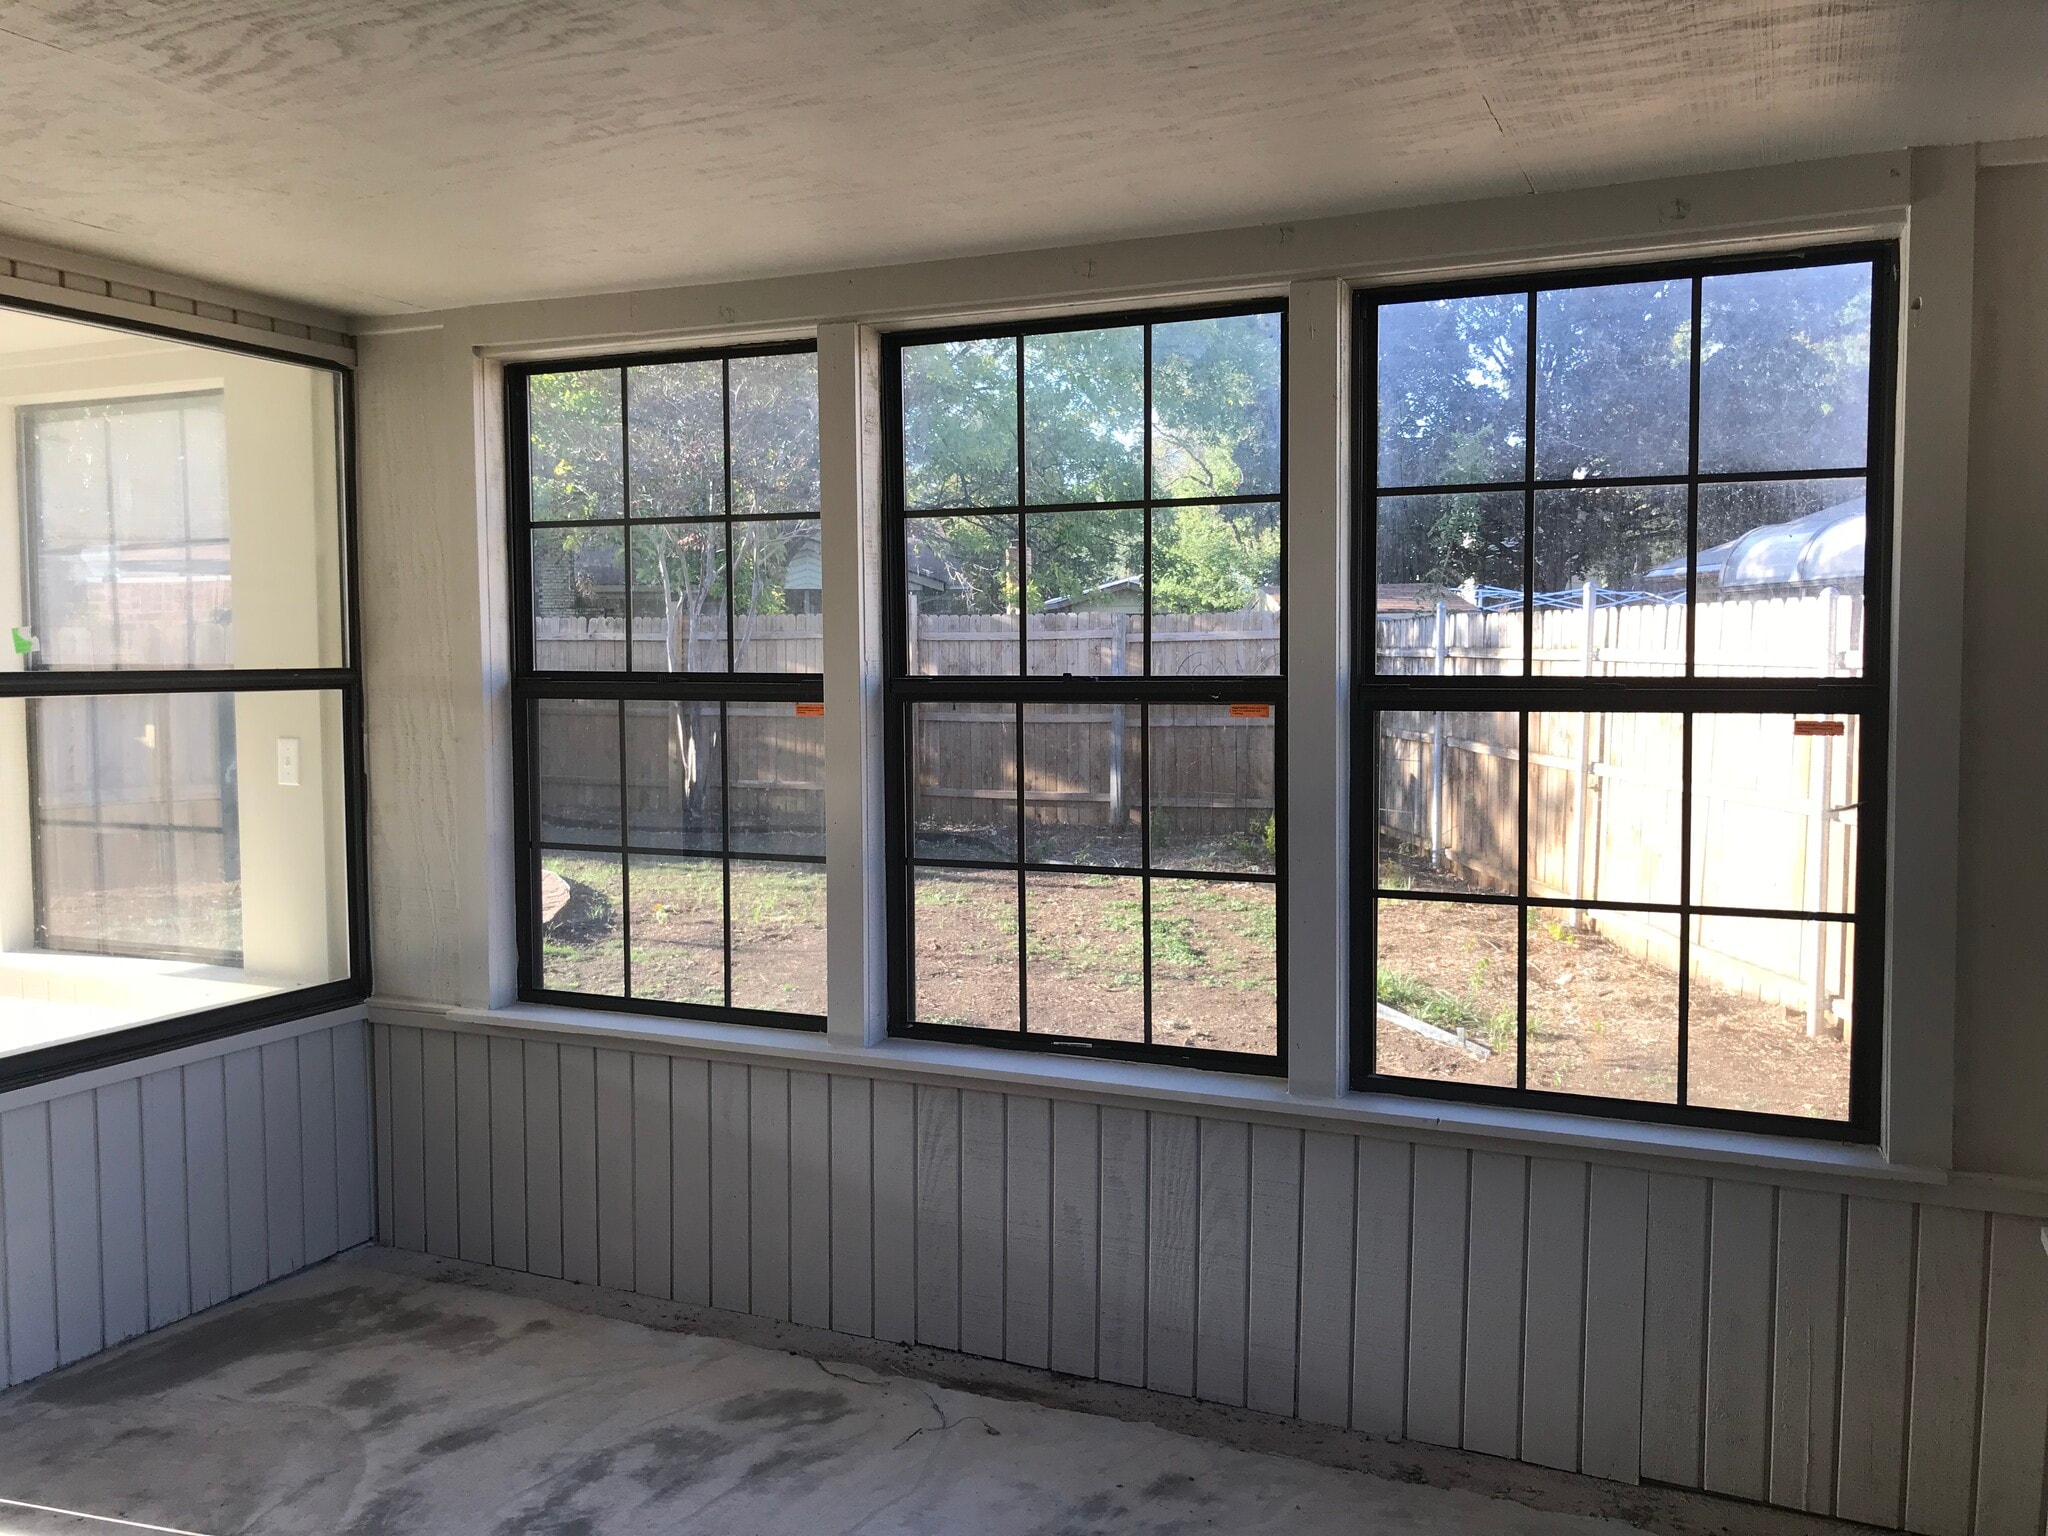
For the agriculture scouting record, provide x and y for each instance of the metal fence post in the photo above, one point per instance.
(1436, 755)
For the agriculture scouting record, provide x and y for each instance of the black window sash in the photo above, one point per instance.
(904, 690)
(1868, 697)
(531, 685)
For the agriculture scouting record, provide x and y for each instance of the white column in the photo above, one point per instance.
(1318, 687)
(849, 465)
(1927, 591)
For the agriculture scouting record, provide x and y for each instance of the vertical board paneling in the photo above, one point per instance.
(1948, 1322)
(2011, 1475)
(1495, 1246)
(895, 1256)
(408, 1138)
(1617, 1236)
(981, 1224)
(1027, 1259)
(1275, 1277)
(356, 1169)
(938, 1216)
(74, 1196)
(208, 1247)
(1877, 1319)
(1120, 1277)
(542, 1129)
(1436, 1296)
(1076, 1232)
(1223, 1265)
(1379, 1328)
(1329, 1206)
(474, 1197)
(853, 1205)
(319, 1164)
(443, 1174)
(1172, 1189)
(1805, 1359)
(1674, 1329)
(25, 1195)
(614, 1070)
(1739, 1291)
(577, 1066)
(124, 1269)
(768, 1191)
(163, 1196)
(690, 1181)
(810, 1199)
(508, 1153)
(381, 1091)
(1554, 1314)
(248, 1239)
(284, 1181)
(653, 1176)
(731, 1250)
(1775, 1344)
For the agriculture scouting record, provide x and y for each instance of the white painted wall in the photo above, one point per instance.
(1855, 1333)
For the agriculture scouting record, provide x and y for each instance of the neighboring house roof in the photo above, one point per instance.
(1422, 597)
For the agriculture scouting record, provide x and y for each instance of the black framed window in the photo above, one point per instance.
(1085, 684)
(180, 697)
(668, 698)
(1623, 688)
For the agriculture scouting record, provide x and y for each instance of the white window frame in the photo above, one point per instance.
(1924, 199)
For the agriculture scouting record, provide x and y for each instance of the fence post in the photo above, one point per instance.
(1436, 755)
(1582, 784)
(1119, 644)
(1820, 772)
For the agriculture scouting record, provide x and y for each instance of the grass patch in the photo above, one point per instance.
(1446, 1010)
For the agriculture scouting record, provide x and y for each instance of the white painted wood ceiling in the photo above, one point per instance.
(386, 156)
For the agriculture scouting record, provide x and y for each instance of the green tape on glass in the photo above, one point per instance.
(24, 642)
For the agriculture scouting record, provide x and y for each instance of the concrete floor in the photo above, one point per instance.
(357, 1399)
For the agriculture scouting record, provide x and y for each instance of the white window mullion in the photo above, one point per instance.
(849, 465)
(1318, 687)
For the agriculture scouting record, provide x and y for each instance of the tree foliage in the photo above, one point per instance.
(1215, 432)
(1784, 384)
(651, 442)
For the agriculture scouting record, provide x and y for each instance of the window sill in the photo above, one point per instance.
(1659, 1147)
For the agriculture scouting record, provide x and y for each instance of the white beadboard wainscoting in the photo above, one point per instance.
(133, 1196)
(1849, 1354)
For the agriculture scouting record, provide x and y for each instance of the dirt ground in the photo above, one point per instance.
(778, 932)
(193, 915)
(1213, 944)
(1601, 1020)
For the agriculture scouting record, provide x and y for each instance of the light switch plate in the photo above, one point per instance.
(288, 761)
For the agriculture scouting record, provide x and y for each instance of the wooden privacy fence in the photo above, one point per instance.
(1806, 634)
(773, 774)
(1212, 774)
(1774, 808)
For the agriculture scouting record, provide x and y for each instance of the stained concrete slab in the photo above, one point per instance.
(354, 1399)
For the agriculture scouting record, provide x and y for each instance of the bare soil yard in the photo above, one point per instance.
(1213, 946)
(778, 932)
(1601, 1020)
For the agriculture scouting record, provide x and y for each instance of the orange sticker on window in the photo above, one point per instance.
(1819, 728)
(1251, 711)
(810, 709)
